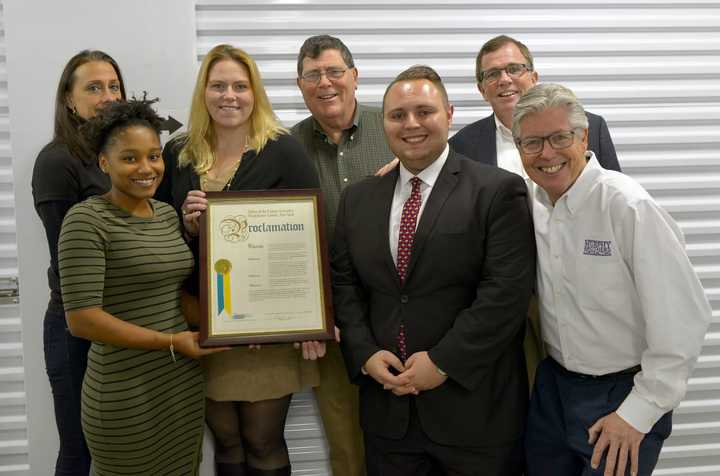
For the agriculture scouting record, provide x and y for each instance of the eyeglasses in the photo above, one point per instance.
(558, 141)
(514, 70)
(331, 74)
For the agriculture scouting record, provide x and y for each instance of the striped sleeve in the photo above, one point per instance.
(81, 258)
(168, 214)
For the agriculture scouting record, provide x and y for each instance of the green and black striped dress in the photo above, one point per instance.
(142, 413)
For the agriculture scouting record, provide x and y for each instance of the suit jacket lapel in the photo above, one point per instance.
(442, 189)
(490, 134)
(383, 201)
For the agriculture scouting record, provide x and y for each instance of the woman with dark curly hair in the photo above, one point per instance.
(122, 263)
(66, 173)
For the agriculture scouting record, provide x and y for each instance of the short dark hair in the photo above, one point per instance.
(102, 129)
(494, 44)
(419, 72)
(67, 123)
(315, 45)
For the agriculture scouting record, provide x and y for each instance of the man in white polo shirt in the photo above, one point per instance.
(623, 313)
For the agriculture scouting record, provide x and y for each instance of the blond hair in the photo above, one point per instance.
(199, 140)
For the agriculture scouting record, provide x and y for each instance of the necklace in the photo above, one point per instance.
(205, 179)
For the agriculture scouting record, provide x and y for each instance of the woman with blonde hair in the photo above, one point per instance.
(234, 142)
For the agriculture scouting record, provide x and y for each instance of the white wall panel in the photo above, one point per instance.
(14, 456)
(154, 44)
(650, 67)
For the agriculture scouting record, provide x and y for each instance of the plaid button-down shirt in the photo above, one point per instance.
(361, 152)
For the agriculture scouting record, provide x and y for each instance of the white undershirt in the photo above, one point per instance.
(428, 176)
(508, 157)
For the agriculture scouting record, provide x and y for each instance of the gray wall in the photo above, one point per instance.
(154, 43)
(651, 67)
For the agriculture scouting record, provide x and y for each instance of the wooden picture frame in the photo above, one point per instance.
(264, 271)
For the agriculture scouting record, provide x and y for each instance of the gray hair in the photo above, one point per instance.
(315, 45)
(546, 96)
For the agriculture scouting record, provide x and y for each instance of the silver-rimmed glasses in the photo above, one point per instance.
(330, 73)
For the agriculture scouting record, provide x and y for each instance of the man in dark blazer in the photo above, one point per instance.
(504, 70)
(433, 267)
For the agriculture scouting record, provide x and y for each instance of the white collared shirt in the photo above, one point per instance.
(508, 157)
(616, 289)
(428, 176)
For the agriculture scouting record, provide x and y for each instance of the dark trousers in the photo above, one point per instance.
(562, 408)
(418, 455)
(65, 363)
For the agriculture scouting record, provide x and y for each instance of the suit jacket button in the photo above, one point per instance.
(404, 299)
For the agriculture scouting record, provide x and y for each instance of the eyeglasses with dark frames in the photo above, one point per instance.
(558, 141)
(514, 70)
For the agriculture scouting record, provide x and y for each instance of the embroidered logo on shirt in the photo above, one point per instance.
(597, 248)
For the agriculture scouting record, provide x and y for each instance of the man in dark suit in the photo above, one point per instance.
(504, 70)
(433, 266)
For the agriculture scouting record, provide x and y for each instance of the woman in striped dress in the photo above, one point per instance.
(122, 264)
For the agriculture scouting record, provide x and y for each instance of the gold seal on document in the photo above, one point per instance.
(222, 266)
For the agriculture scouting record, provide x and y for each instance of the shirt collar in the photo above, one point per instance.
(503, 131)
(355, 124)
(428, 175)
(579, 191)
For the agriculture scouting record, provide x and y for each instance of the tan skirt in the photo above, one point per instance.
(250, 375)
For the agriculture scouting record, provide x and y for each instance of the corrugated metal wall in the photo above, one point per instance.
(651, 68)
(13, 416)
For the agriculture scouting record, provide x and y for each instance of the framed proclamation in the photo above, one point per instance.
(264, 273)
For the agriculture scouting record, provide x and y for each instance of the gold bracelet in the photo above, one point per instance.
(172, 349)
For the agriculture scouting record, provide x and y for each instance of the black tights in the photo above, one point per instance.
(250, 432)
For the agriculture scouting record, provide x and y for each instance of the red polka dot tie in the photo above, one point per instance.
(408, 221)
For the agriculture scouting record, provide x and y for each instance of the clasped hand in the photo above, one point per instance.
(418, 374)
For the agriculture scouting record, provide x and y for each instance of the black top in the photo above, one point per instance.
(59, 181)
(282, 163)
